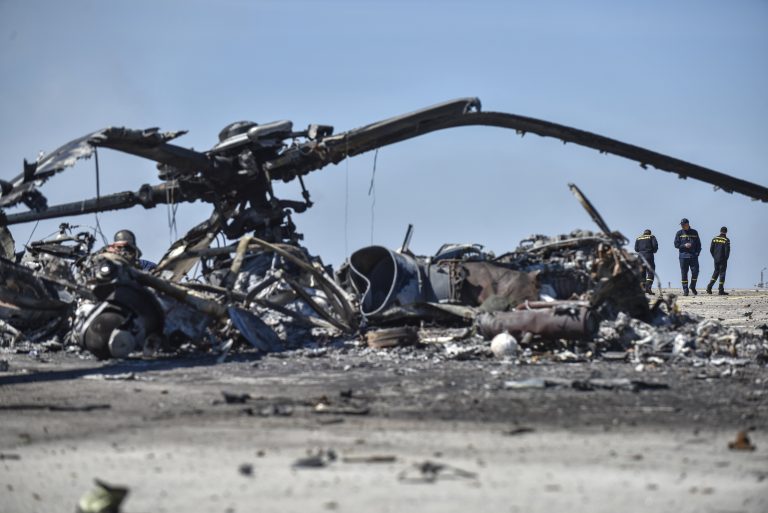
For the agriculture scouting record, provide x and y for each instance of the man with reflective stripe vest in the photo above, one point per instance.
(720, 248)
(646, 245)
(688, 243)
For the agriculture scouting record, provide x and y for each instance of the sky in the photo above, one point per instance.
(687, 79)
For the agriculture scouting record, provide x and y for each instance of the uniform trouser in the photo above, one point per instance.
(648, 273)
(720, 268)
(693, 264)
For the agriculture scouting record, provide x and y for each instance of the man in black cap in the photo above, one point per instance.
(125, 245)
(688, 243)
(720, 248)
(646, 245)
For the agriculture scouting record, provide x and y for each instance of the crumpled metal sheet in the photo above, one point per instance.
(7, 245)
(25, 302)
(255, 331)
(487, 281)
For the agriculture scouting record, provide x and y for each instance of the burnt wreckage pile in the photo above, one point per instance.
(569, 297)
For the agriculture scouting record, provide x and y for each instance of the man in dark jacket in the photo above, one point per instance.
(125, 246)
(646, 245)
(688, 243)
(720, 249)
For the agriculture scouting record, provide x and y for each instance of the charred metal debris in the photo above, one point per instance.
(566, 298)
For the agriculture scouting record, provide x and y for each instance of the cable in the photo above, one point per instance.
(98, 195)
(171, 208)
(31, 234)
(372, 192)
(346, 198)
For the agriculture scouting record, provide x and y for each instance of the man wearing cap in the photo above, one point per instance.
(720, 249)
(646, 245)
(688, 243)
(125, 245)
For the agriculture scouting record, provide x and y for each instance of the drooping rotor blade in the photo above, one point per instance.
(603, 144)
(149, 143)
(313, 155)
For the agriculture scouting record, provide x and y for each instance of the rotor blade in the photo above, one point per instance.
(304, 158)
(148, 143)
(607, 145)
(151, 144)
(301, 159)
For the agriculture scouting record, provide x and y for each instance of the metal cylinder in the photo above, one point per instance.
(385, 279)
(550, 323)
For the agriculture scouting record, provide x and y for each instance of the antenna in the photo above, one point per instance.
(407, 239)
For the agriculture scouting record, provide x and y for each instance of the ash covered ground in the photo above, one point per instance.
(343, 427)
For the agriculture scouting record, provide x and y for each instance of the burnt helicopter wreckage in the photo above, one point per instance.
(265, 284)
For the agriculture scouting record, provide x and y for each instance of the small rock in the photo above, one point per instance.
(245, 469)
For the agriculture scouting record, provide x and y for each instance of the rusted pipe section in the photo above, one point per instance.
(549, 323)
(536, 305)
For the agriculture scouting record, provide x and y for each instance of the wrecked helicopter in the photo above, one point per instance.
(115, 309)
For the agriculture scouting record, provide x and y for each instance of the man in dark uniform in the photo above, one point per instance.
(720, 248)
(646, 245)
(125, 246)
(688, 243)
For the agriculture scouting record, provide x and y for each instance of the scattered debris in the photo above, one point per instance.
(56, 407)
(276, 410)
(369, 459)
(392, 337)
(124, 376)
(430, 472)
(245, 469)
(328, 409)
(235, 398)
(742, 443)
(589, 384)
(105, 498)
(504, 345)
(518, 431)
(318, 458)
(330, 421)
(345, 405)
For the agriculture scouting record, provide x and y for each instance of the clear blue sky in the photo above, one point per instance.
(688, 79)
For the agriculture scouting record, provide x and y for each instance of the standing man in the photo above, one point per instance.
(646, 245)
(688, 243)
(720, 250)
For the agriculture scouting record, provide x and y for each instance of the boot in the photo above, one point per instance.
(693, 291)
(722, 292)
(685, 292)
(709, 288)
